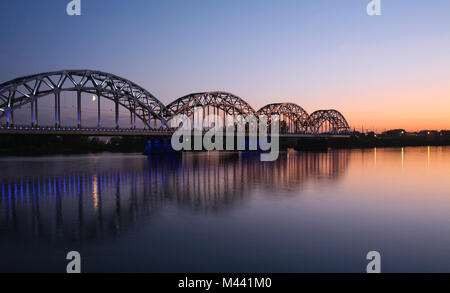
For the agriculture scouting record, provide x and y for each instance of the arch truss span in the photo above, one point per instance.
(328, 122)
(293, 118)
(213, 103)
(27, 90)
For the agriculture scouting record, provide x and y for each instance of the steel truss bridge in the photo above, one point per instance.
(143, 106)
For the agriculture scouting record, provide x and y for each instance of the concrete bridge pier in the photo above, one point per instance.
(158, 146)
(309, 144)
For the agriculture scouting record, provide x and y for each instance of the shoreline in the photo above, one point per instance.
(32, 146)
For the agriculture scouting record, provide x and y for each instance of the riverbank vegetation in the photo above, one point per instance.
(32, 145)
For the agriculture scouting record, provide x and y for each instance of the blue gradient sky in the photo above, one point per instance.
(381, 72)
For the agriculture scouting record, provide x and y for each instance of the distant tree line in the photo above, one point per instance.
(24, 145)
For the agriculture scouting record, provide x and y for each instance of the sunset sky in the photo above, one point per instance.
(381, 72)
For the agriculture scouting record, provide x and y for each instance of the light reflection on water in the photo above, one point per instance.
(202, 212)
(115, 191)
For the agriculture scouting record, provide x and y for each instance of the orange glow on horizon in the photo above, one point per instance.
(413, 108)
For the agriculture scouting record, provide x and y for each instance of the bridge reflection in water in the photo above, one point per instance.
(98, 197)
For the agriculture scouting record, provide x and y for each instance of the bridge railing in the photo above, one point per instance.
(15, 128)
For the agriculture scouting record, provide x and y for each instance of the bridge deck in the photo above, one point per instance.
(24, 130)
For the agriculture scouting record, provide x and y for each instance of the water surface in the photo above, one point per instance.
(228, 212)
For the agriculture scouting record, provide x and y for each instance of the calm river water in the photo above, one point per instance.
(228, 212)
